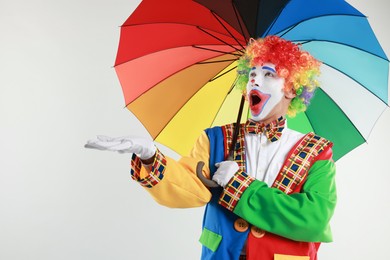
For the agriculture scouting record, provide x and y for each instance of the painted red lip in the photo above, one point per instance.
(257, 100)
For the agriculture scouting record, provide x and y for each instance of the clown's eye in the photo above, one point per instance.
(253, 74)
(269, 74)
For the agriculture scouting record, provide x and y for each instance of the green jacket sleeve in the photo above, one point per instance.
(301, 216)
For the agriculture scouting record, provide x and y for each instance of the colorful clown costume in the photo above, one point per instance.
(277, 205)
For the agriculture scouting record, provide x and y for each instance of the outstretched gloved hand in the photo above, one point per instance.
(142, 147)
(225, 172)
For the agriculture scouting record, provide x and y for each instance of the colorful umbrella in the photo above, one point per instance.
(176, 64)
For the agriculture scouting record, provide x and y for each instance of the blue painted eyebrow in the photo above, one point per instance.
(268, 68)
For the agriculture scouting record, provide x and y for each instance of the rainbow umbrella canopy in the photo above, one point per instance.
(176, 64)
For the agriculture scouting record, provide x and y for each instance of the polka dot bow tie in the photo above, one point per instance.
(273, 131)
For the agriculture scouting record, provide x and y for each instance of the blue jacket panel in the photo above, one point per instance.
(217, 219)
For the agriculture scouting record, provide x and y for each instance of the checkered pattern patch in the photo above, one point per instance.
(156, 174)
(239, 151)
(273, 131)
(296, 167)
(234, 189)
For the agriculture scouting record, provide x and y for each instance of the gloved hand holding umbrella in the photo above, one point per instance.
(225, 172)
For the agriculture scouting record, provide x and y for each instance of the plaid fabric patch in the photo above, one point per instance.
(234, 189)
(239, 151)
(273, 131)
(156, 174)
(296, 167)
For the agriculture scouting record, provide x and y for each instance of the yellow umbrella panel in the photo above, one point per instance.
(176, 110)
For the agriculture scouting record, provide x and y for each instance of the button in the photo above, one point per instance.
(257, 232)
(241, 225)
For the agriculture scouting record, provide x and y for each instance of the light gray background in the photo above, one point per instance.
(61, 201)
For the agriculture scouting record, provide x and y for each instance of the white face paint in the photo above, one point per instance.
(264, 90)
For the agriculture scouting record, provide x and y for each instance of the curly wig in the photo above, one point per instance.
(297, 67)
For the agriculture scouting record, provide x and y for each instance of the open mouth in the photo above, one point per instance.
(257, 100)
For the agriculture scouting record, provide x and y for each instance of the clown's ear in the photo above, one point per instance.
(290, 93)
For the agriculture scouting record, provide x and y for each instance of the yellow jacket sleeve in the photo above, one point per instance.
(174, 183)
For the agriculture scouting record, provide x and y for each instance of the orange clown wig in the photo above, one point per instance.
(297, 67)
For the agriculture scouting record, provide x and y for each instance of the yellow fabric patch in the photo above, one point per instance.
(290, 257)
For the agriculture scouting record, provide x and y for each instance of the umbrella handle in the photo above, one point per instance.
(207, 182)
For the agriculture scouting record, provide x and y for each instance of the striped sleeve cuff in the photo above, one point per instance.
(156, 174)
(234, 190)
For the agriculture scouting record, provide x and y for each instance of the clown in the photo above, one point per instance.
(276, 197)
(264, 91)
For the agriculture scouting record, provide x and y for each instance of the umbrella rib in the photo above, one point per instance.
(277, 17)
(347, 45)
(376, 121)
(217, 38)
(288, 30)
(308, 119)
(356, 82)
(187, 24)
(161, 80)
(295, 25)
(226, 72)
(220, 107)
(219, 21)
(208, 49)
(216, 61)
(176, 47)
(162, 128)
(233, 85)
(238, 20)
(257, 16)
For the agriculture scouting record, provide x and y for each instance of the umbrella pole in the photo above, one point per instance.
(199, 167)
(236, 130)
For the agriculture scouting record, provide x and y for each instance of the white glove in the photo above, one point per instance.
(225, 172)
(142, 147)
